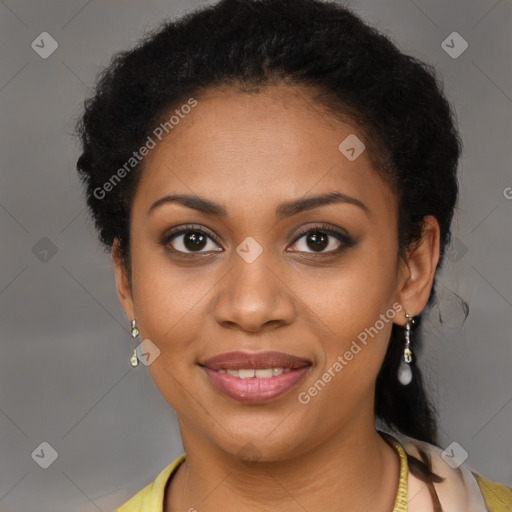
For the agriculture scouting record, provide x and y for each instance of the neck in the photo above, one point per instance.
(356, 467)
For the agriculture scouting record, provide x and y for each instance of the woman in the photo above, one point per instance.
(276, 182)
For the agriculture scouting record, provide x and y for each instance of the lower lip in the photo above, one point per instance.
(255, 390)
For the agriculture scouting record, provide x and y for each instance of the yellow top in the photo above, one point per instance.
(151, 498)
(497, 497)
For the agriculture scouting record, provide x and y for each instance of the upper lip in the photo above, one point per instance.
(260, 360)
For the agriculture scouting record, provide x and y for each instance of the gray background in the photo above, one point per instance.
(65, 342)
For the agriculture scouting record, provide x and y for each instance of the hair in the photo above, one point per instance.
(348, 66)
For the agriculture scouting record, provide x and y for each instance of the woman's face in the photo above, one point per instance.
(258, 279)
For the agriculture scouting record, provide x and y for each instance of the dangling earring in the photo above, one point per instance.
(134, 360)
(404, 370)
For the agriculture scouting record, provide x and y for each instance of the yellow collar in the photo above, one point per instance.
(401, 495)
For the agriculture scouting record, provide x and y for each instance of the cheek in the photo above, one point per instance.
(168, 297)
(351, 296)
(169, 307)
(354, 310)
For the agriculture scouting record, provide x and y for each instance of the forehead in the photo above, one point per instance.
(251, 149)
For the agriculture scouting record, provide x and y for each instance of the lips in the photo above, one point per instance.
(255, 378)
(246, 360)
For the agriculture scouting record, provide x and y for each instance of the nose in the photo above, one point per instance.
(254, 296)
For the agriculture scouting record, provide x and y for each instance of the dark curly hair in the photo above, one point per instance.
(349, 67)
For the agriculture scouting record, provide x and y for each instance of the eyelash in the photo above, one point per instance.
(344, 239)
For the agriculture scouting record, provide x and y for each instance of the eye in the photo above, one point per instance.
(189, 240)
(320, 238)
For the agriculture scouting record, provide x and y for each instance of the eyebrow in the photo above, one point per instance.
(284, 210)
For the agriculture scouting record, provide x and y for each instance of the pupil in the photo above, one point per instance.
(319, 241)
(194, 241)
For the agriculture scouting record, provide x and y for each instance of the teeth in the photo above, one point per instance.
(262, 373)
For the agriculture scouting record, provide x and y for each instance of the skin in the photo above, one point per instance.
(250, 153)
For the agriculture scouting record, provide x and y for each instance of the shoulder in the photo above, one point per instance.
(462, 489)
(151, 497)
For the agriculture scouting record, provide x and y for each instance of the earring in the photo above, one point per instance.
(134, 360)
(404, 370)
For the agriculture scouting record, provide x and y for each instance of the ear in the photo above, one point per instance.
(416, 275)
(124, 291)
